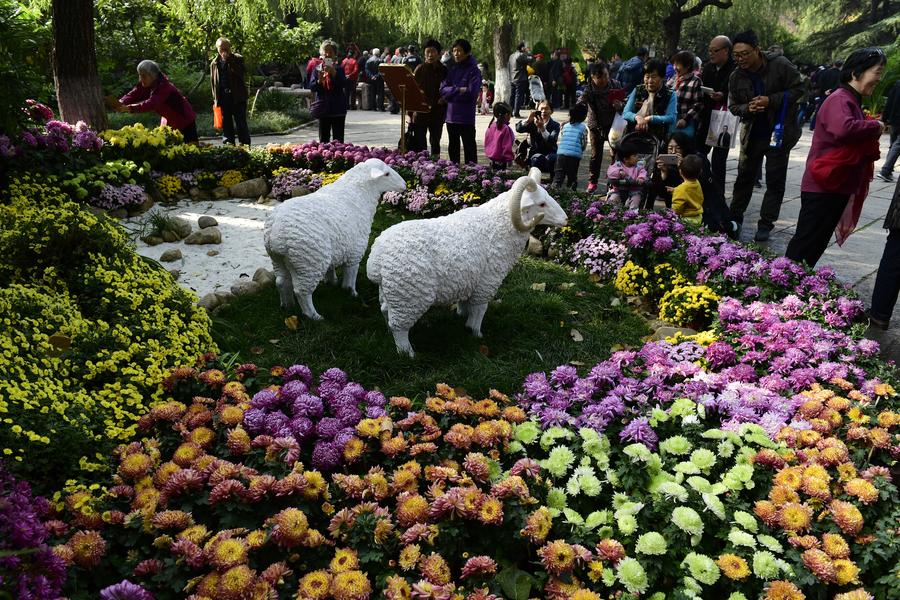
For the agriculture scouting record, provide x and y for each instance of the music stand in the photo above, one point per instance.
(404, 87)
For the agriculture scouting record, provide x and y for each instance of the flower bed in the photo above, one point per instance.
(88, 329)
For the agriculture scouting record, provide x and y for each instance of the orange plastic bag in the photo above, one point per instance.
(217, 117)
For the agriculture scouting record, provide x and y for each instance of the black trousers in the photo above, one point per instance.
(776, 173)
(887, 283)
(598, 138)
(190, 133)
(234, 117)
(517, 96)
(331, 128)
(378, 92)
(431, 130)
(465, 133)
(819, 215)
(566, 168)
(350, 89)
(718, 162)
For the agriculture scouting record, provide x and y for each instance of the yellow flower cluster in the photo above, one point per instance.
(135, 136)
(666, 278)
(633, 280)
(231, 177)
(179, 152)
(87, 331)
(169, 186)
(688, 304)
(704, 338)
(329, 177)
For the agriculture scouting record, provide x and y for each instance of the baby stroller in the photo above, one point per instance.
(647, 146)
(536, 89)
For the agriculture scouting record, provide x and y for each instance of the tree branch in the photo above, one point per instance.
(700, 6)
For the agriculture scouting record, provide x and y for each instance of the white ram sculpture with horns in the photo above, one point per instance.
(309, 237)
(461, 258)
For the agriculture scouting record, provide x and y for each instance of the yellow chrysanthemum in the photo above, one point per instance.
(409, 556)
(733, 566)
(845, 571)
(315, 585)
(351, 585)
(344, 559)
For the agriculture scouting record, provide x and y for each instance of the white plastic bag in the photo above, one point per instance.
(617, 130)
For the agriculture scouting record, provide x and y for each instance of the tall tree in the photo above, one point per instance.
(678, 12)
(78, 90)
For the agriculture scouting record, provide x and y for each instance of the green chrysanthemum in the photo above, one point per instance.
(741, 538)
(687, 519)
(651, 543)
(765, 565)
(770, 542)
(527, 432)
(632, 575)
(676, 445)
(703, 458)
(559, 461)
(702, 568)
(556, 498)
(745, 520)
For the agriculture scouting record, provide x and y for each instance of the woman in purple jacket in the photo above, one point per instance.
(460, 91)
(842, 140)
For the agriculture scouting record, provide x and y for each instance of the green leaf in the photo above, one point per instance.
(516, 584)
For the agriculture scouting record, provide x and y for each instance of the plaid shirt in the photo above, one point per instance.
(690, 97)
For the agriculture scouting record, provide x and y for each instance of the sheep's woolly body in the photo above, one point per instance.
(460, 258)
(311, 236)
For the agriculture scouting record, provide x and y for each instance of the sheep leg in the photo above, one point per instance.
(401, 339)
(331, 276)
(309, 311)
(350, 272)
(476, 314)
(283, 282)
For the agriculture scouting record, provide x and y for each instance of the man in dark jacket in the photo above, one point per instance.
(375, 78)
(229, 91)
(518, 77)
(603, 104)
(763, 91)
(632, 70)
(715, 74)
(430, 75)
(891, 116)
(555, 71)
(827, 81)
(543, 134)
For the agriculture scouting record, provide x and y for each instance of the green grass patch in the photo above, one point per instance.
(262, 121)
(525, 330)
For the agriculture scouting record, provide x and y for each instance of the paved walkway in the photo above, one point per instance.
(856, 262)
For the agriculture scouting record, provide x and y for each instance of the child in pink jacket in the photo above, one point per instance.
(626, 177)
(499, 137)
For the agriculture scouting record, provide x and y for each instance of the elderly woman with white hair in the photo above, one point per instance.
(156, 93)
(329, 83)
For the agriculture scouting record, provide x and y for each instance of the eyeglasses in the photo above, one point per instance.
(744, 54)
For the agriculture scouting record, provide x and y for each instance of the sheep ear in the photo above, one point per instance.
(376, 173)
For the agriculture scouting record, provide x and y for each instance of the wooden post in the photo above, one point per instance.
(402, 119)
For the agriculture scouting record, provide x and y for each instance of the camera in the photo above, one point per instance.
(535, 114)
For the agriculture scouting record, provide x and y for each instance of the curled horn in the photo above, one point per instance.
(515, 203)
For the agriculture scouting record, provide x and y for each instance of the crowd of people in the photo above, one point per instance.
(693, 113)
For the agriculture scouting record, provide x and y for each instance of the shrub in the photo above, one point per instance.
(88, 330)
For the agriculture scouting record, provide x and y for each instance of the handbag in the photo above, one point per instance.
(318, 109)
(217, 117)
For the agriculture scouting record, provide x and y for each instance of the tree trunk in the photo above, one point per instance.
(502, 50)
(672, 32)
(78, 90)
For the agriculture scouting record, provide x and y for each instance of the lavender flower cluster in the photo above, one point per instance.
(599, 256)
(420, 201)
(284, 183)
(324, 417)
(766, 355)
(39, 573)
(119, 196)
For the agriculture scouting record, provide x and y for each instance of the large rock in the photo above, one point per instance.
(141, 208)
(198, 194)
(209, 301)
(206, 221)
(220, 193)
(152, 240)
(252, 188)
(170, 236)
(224, 297)
(181, 227)
(245, 286)
(535, 247)
(170, 255)
(175, 273)
(299, 190)
(264, 277)
(210, 235)
(118, 213)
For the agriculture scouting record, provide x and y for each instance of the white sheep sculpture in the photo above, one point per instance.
(309, 237)
(459, 258)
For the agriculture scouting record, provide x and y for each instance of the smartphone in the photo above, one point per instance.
(668, 159)
(329, 62)
(707, 90)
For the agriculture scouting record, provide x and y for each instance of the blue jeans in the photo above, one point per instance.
(892, 155)
(887, 282)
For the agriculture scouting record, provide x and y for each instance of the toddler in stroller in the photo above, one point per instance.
(627, 177)
(536, 89)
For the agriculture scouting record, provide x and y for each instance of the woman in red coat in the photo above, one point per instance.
(156, 93)
(841, 160)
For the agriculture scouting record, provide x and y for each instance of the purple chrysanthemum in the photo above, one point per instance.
(328, 427)
(639, 430)
(326, 456)
(308, 406)
(265, 400)
(298, 372)
(125, 590)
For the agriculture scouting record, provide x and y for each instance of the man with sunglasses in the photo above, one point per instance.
(715, 74)
(763, 91)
